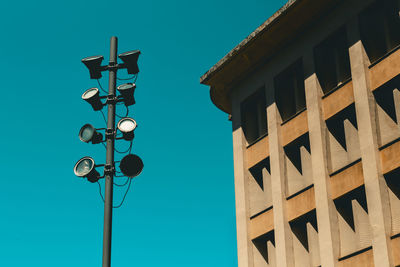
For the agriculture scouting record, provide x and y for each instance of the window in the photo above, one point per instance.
(289, 91)
(332, 63)
(380, 28)
(254, 116)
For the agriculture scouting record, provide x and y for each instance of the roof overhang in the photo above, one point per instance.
(254, 51)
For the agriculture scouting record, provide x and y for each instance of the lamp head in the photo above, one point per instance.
(85, 167)
(127, 91)
(130, 59)
(94, 65)
(89, 134)
(92, 96)
(127, 126)
(131, 165)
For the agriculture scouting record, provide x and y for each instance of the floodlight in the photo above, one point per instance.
(127, 126)
(92, 96)
(130, 59)
(94, 65)
(85, 167)
(131, 165)
(127, 90)
(89, 134)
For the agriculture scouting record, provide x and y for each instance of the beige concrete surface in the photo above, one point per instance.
(294, 128)
(390, 158)
(327, 220)
(262, 224)
(244, 246)
(385, 70)
(331, 105)
(365, 259)
(375, 185)
(257, 152)
(283, 234)
(300, 204)
(347, 180)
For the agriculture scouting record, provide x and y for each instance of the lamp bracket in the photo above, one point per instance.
(110, 133)
(121, 66)
(112, 99)
(113, 67)
(109, 169)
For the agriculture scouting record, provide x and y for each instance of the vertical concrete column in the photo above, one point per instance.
(244, 245)
(283, 236)
(375, 186)
(328, 231)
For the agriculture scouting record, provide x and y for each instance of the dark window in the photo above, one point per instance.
(254, 116)
(380, 28)
(289, 91)
(332, 62)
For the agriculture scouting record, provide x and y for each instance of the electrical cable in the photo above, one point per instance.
(127, 111)
(123, 152)
(104, 116)
(101, 87)
(100, 191)
(127, 180)
(126, 115)
(126, 192)
(126, 79)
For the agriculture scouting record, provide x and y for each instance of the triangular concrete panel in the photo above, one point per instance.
(348, 237)
(313, 245)
(352, 141)
(362, 225)
(301, 255)
(259, 199)
(388, 129)
(337, 155)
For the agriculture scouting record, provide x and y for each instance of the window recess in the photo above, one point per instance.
(289, 91)
(332, 61)
(254, 116)
(380, 28)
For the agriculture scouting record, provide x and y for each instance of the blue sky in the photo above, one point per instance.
(180, 210)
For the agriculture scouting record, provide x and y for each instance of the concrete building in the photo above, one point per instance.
(314, 99)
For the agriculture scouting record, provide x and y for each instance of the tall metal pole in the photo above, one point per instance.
(109, 168)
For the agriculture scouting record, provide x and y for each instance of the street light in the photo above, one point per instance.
(131, 165)
(94, 65)
(85, 167)
(130, 59)
(92, 96)
(126, 127)
(127, 90)
(89, 134)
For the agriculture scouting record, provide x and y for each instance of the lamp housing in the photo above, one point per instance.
(94, 65)
(127, 127)
(92, 96)
(127, 91)
(131, 165)
(89, 134)
(85, 167)
(130, 59)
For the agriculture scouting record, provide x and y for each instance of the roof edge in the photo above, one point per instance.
(246, 42)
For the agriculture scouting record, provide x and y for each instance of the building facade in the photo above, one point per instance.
(313, 95)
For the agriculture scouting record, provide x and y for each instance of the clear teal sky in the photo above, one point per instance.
(180, 210)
